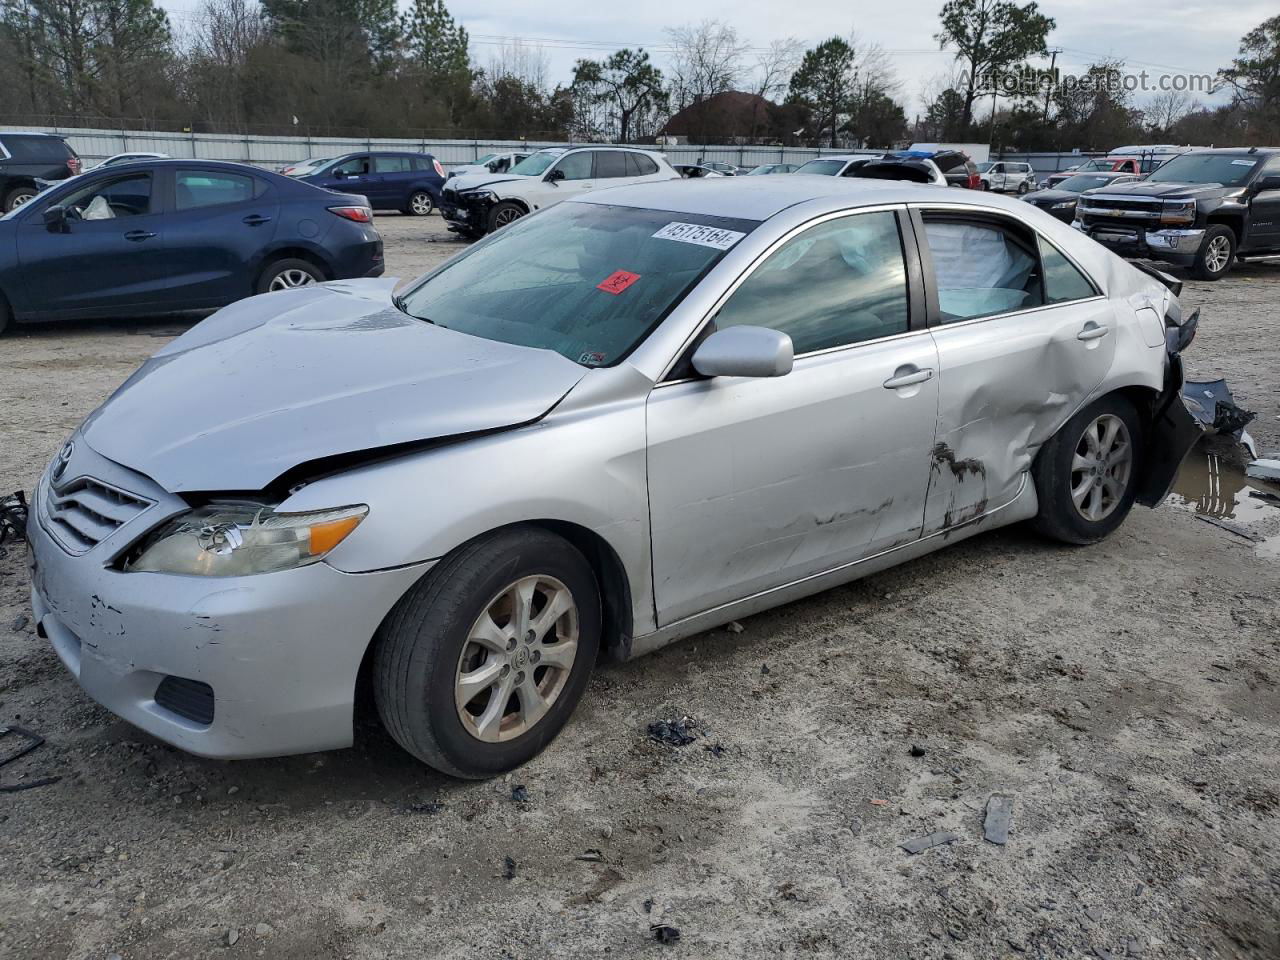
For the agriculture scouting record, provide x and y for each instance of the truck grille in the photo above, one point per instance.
(1133, 212)
(86, 511)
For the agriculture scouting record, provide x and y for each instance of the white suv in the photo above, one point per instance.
(476, 204)
(489, 163)
(1004, 176)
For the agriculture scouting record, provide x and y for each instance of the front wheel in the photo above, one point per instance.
(288, 274)
(983, 185)
(1216, 254)
(420, 204)
(1023, 187)
(1086, 474)
(504, 213)
(480, 665)
(17, 197)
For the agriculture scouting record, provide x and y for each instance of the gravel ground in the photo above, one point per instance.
(1124, 697)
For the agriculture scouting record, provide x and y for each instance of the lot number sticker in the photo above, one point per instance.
(702, 236)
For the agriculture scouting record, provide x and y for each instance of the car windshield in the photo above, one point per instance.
(485, 159)
(1084, 181)
(536, 163)
(984, 167)
(826, 168)
(1228, 169)
(587, 280)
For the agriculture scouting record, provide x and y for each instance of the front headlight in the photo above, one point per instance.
(1178, 212)
(1064, 204)
(480, 195)
(232, 539)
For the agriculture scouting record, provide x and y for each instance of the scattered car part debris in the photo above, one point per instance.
(33, 740)
(676, 733)
(917, 750)
(921, 844)
(764, 669)
(665, 933)
(733, 626)
(1230, 527)
(520, 793)
(591, 855)
(716, 750)
(19, 623)
(1214, 407)
(995, 829)
(508, 868)
(13, 517)
(424, 806)
(1263, 470)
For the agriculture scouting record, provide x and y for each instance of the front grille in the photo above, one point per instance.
(191, 699)
(86, 511)
(1135, 212)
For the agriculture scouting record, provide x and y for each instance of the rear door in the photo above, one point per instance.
(394, 175)
(1023, 335)
(110, 255)
(220, 224)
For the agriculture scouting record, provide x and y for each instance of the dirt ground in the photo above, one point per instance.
(1125, 697)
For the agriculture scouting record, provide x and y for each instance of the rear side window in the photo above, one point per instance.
(1063, 281)
(841, 282)
(37, 149)
(981, 269)
(610, 163)
(392, 164)
(198, 188)
(645, 166)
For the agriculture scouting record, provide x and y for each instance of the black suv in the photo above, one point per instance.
(25, 159)
(1201, 210)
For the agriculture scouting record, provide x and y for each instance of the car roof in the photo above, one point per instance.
(1235, 151)
(765, 196)
(31, 133)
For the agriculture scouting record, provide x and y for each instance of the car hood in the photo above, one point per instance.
(1041, 197)
(283, 379)
(473, 181)
(1146, 188)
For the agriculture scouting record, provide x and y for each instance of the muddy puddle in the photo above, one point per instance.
(1215, 488)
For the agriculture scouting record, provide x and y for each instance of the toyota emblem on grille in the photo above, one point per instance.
(64, 458)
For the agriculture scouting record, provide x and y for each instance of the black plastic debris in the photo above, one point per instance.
(676, 733)
(921, 844)
(13, 517)
(1214, 407)
(31, 742)
(917, 750)
(995, 829)
(520, 793)
(424, 806)
(665, 933)
(591, 855)
(19, 623)
(764, 669)
(716, 750)
(508, 868)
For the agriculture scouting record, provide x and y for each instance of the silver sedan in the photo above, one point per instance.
(616, 423)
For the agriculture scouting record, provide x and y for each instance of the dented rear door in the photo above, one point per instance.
(1008, 379)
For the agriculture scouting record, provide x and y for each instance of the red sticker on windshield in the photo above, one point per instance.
(618, 281)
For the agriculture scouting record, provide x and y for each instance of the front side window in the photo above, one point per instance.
(354, 167)
(198, 188)
(587, 280)
(110, 200)
(1063, 281)
(536, 163)
(841, 282)
(576, 166)
(392, 164)
(981, 269)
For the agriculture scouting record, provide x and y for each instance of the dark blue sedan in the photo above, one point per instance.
(408, 182)
(162, 236)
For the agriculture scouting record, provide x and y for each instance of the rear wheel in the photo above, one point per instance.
(289, 274)
(420, 204)
(17, 197)
(1216, 254)
(480, 665)
(504, 213)
(1086, 474)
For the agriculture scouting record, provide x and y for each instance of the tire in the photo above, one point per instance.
(1216, 254)
(504, 213)
(1055, 478)
(18, 196)
(288, 274)
(1023, 187)
(420, 204)
(426, 645)
(983, 185)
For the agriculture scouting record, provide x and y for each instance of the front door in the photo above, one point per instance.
(1023, 339)
(571, 176)
(354, 175)
(108, 256)
(1264, 210)
(754, 483)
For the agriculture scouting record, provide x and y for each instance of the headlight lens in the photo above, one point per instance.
(1178, 212)
(233, 539)
(1064, 204)
(480, 195)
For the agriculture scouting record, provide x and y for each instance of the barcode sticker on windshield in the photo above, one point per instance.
(1242, 163)
(702, 236)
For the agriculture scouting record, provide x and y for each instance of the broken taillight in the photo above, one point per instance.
(975, 181)
(439, 169)
(358, 214)
(73, 164)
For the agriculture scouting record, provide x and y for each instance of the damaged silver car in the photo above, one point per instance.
(632, 417)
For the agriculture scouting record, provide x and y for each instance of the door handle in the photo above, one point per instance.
(1092, 331)
(256, 220)
(137, 235)
(908, 377)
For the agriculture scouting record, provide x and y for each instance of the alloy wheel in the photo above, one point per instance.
(517, 659)
(421, 204)
(291, 278)
(1217, 254)
(22, 198)
(509, 215)
(1101, 467)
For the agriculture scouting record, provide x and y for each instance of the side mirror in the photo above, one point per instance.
(1270, 182)
(55, 218)
(555, 175)
(745, 352)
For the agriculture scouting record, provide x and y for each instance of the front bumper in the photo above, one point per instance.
(464, 214)
(280, 651)
(1173, 246)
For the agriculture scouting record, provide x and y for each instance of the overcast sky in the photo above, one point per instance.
(1151, 35)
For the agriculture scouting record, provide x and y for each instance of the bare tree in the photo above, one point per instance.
(1166, 109)
(774, 67)
(706, 59)
(528, 63)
